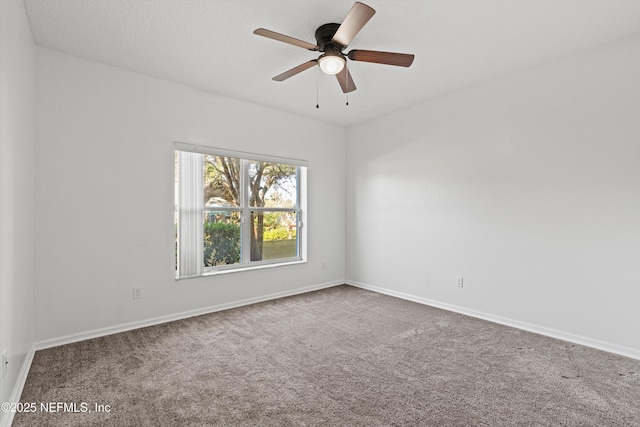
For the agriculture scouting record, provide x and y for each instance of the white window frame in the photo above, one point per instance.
(196, 252)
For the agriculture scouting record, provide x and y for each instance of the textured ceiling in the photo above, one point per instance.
(208, 44)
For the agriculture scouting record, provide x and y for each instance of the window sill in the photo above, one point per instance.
(242, 269)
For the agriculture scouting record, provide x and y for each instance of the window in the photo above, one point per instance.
(235, 210)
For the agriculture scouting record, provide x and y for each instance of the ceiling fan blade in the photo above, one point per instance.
(388, 58)
(295, 70)
(286, 39)
(346, 81)
(357, 17)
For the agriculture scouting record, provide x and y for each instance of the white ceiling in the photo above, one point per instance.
(208, 44)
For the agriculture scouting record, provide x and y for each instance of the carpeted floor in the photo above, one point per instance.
(338, 357)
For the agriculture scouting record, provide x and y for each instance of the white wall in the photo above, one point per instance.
(17, 140)
(105, 202)
(528, 186)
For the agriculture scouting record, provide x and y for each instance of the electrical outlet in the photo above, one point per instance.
(324, 265)
(137, 292)
(5, 364)
(459, 281)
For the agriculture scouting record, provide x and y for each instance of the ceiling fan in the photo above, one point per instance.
(332, 40)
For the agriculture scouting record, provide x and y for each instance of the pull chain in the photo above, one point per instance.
(317, 87)
(346, 81)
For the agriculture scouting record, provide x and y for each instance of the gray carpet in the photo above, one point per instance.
(337, 357)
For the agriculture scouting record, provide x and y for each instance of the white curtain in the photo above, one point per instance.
(190, 213)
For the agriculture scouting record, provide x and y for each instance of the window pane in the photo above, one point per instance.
(221, 181)
(221, 238)
(272, 185)
(274, 235)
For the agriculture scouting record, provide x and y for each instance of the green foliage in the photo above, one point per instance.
(278, 234)
(276, 226)
(221, 243)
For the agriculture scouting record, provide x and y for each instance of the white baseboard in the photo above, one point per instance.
(553, 333)
(19, 386)
(123, 327)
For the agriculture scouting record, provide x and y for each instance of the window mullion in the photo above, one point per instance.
(246, 215)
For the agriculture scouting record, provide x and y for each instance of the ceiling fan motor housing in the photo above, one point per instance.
(324, 36)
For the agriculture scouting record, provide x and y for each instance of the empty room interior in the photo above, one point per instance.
(447, 232)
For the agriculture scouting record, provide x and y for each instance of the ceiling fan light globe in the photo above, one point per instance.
(331, 64)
